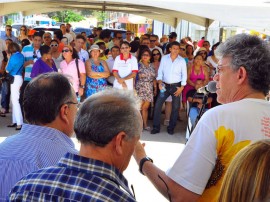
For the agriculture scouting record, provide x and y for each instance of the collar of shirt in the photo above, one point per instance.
(122, 56)
(91, 166)
(43, 131)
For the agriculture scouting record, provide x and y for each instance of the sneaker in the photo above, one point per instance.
(166, 122)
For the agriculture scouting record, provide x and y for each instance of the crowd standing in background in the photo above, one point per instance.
(155, 71)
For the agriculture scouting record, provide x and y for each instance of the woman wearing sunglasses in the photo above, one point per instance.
(23, 33)
(45, 63)
(74, 69)
(56, 54)
(146, 85)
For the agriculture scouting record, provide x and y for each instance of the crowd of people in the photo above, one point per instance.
(143, 72)
(92, 63)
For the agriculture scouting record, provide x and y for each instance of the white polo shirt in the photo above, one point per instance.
(83, 55)
(124, 68)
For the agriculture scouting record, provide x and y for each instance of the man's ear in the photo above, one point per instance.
(119, 142)
(242, 75)
(63, 113)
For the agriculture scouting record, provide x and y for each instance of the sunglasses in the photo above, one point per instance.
(66, 50)
(182, 49)
(119, 38)
(145, 55)
(155, 54)
(54, 45)
(8, 29)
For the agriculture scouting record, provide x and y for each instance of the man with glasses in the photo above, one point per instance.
(153, 40)
(9, 35)
(243, 81)
(206, 45)
(47, 38)
(166, 46)
(50, 108)
(96, 174)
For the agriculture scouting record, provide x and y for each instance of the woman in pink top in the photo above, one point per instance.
(196, 71)
(68, 67)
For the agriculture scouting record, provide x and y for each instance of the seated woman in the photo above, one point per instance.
(97, 71)
(45, 63)
(146, 86)
(248, 176)
(195, 72)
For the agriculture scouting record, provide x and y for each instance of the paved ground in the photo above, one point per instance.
(162, 147)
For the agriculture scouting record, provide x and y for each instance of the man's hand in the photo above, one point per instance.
(139, 152)
(178, 91)
(160, 86)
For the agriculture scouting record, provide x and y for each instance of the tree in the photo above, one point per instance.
(66, 16)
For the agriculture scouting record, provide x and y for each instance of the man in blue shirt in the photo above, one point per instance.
(9, 35)
(108, 126)
(50, 109)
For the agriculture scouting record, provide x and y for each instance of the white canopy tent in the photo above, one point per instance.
(250, 14)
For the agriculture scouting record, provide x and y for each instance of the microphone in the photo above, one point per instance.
(209, 88)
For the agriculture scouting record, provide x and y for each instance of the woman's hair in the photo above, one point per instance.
(152, 57)
(248, 176)
(13, 48)
(26, 30)
(25, 42)
(54, 41)
(188, 45)
(143, 51)
(44, 49)
(140, 50)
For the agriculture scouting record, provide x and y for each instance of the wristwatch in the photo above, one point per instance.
(82, 86)
(143, 160)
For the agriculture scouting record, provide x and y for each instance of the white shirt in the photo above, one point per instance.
(110, 62)
(221, 133)
(172, 71)
(124, 68)
(83, 55)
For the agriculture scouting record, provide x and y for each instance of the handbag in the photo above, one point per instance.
(9, 78)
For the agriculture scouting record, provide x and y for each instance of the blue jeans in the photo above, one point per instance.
(170, 90)
(5, 95)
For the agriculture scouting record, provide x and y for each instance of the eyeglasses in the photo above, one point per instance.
(145, 55)
(47, 37)
(125, 48)
(66, 50)
(54, 45)
(73, 103)
(155, 54)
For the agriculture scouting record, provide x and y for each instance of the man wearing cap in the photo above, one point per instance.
(79, 43)
(172, 38)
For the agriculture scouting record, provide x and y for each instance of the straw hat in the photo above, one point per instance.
(95, 47)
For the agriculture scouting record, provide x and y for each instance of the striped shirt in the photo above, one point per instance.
(74, 178)
(33, 148)
(30, 53)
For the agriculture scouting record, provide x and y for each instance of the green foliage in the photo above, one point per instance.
(9, 21)
(66, 16)
(101, 16)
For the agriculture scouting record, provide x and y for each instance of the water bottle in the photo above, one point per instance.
(163, 89)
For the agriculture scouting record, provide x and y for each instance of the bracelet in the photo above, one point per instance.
(143, 160)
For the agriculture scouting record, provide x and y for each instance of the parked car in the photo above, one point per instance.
(46, 29)
(79, 30)
(113, 31)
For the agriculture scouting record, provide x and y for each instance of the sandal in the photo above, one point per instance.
(147, 128)
(18, 127)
